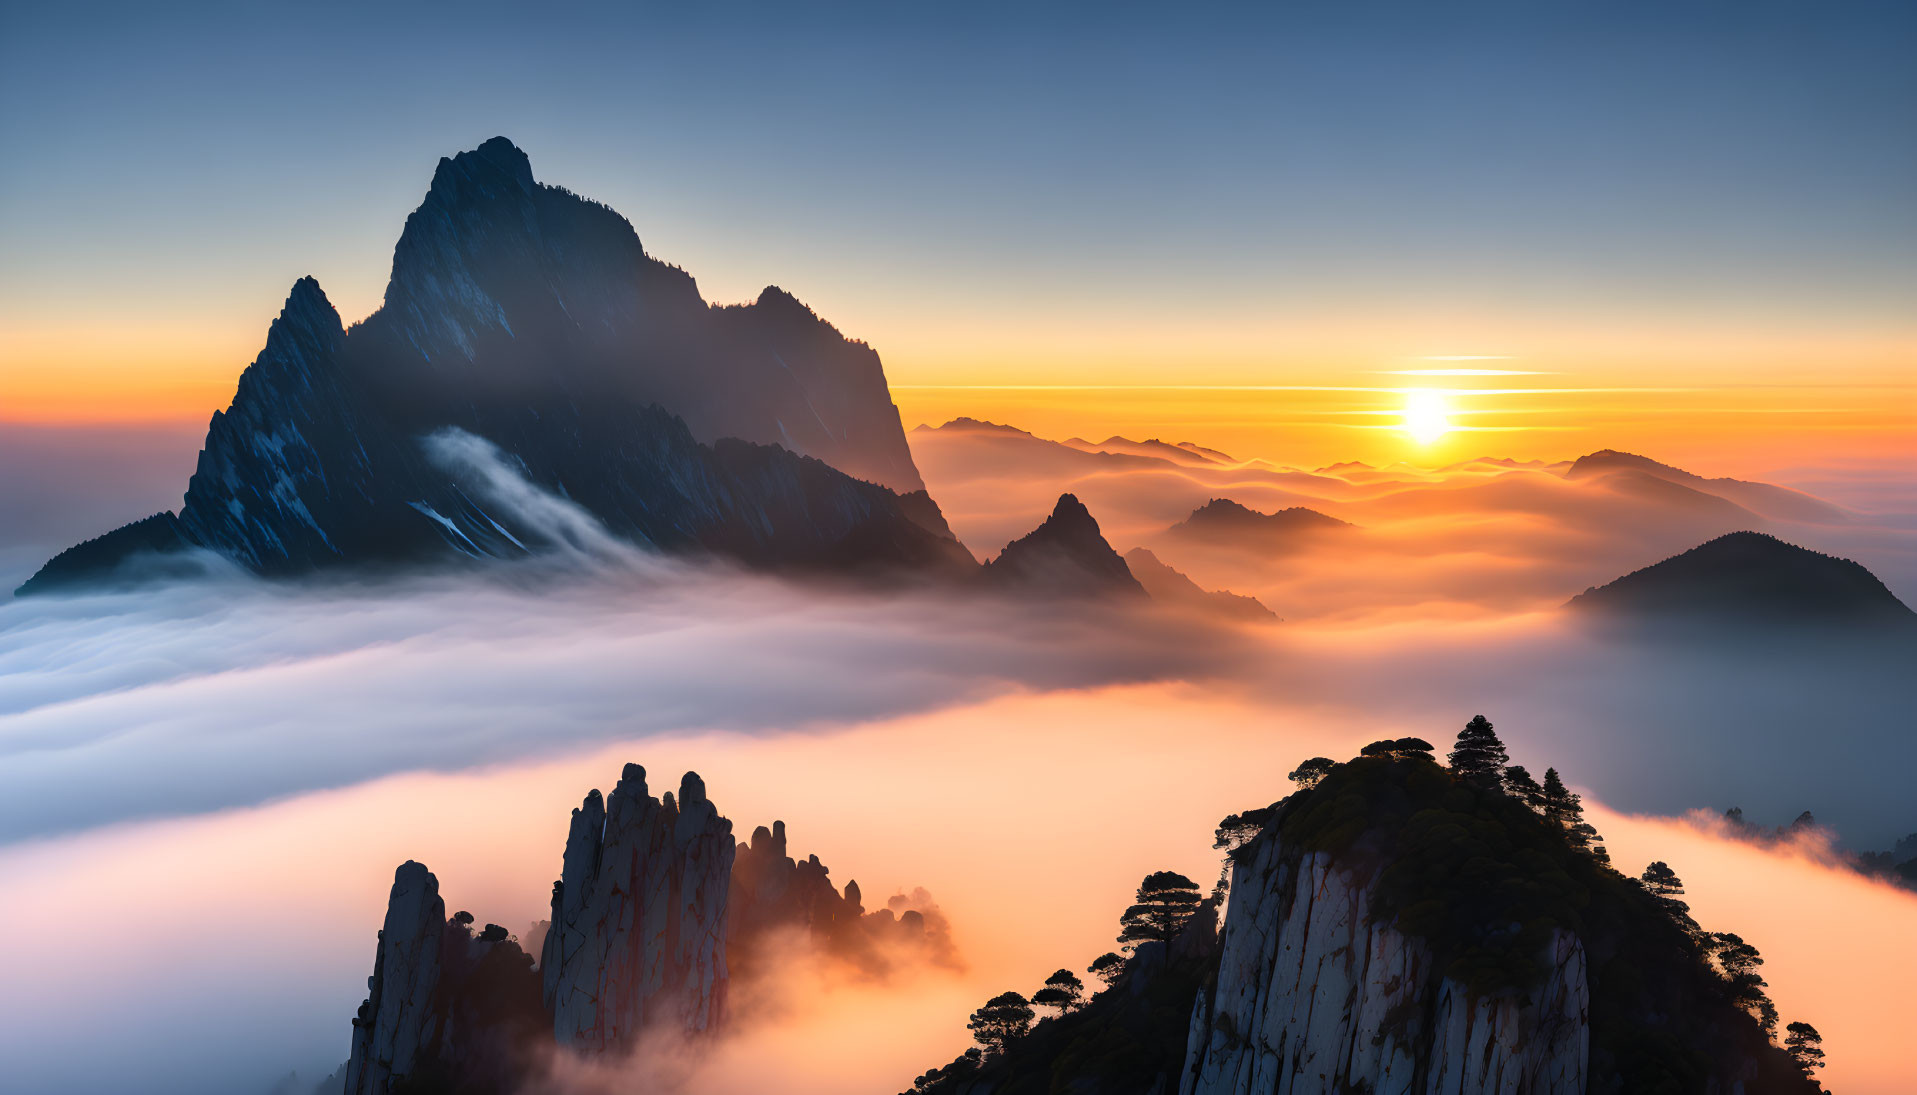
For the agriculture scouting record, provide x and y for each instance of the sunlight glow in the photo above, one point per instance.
(1425, 417)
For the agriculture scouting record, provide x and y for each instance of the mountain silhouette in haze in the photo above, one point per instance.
(1223, 521)
(1067, 555)
(1168, 585)
(1184, 452)
(1762, 499)
(1749, 578)
(532, 320)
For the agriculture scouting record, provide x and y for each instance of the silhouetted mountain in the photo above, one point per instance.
(531, 318)
(1223, 521)
(1182, 453)
(157, 537)
(1065, 556)
(1761, 498)
(1749, 578)
(1168, 586)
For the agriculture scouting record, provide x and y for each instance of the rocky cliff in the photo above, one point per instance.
(1314, 996)
(1398, 929)
(531, 319)
(445, 1009)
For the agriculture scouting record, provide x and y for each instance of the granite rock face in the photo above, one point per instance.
(1311, 996)
(445, 1009)
(532, 319)
(638, 932)
(397, 1019)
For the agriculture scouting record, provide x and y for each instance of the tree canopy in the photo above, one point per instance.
(1310, 773)
(1165, 901)
(1107, 967)
(1398, 749)
(1805, 1046)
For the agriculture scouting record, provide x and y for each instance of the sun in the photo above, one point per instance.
(1425, 416)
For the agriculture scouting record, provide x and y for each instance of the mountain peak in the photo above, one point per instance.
(306, 303)
(494, 161)
(1070, 511)
(1066, 555)
(1604, 460)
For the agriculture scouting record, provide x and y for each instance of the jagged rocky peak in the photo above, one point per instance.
(656, 918)
(494, 160)
(1066, 555)
(525, 318)
(638, 932)
(446, 1009)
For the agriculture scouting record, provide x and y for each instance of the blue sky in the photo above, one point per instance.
(920, 171)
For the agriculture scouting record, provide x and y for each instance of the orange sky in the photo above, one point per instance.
(1721, 405)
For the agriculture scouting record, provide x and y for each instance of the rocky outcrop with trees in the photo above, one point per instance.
(660, 924)
(1397, 925)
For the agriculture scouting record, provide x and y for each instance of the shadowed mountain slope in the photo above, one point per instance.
(1067, 555)
(1169, 586)
(1749, 577)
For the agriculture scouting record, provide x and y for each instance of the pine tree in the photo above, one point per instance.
(1479, 756)
(1663, 884)
(1004, 1019)
(1233, 833)
(1560, 805)
(1805, 1046)
(1107, 967)
(1525, 789)
(1165, 901)
(1566, 809)
(1063, 990)
(1738, 962)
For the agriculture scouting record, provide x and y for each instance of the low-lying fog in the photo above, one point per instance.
(205, 786)
(204, 789)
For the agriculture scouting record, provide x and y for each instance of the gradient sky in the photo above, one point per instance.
(1621, 194)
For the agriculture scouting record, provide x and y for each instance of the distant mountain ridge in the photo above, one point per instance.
(532, 319)
(1766, 499)
(1224, 519)
(1749, 577)
(1183, 452)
